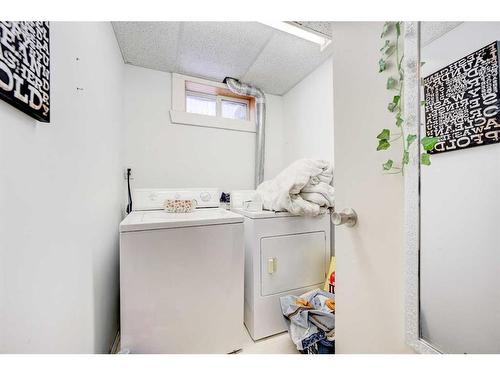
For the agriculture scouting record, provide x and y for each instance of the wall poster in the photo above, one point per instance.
(25, 67)
(462, 102)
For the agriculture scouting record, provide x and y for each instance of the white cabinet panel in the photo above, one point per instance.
(292, 261)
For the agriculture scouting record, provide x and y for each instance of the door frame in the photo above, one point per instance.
(412, 190)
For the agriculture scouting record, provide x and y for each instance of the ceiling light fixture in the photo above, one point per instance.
(297, 30)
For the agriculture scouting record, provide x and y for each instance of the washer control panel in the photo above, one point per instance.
(153, 199)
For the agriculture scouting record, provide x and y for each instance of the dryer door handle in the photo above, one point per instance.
(271, 265)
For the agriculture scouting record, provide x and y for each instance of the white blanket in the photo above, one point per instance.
(303, 188)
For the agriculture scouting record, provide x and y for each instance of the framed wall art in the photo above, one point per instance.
(462, 102)
(25, 67)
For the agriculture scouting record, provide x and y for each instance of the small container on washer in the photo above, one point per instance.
(179, 205)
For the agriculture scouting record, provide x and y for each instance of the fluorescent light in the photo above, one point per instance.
(290, 28)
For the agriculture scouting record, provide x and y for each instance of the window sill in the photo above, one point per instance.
(195, 119)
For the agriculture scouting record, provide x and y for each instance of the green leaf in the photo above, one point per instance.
(422, 103)
(391, 83)
(425, 159)
(385, 29)
(384, 134)
(410, 139)
(382, 65)
(399, 120)
(387, 165)
(394, 104)
(385, 46)
(383, 144)
(422, 63)
(428, 143)
(406, 157)
(398, 28)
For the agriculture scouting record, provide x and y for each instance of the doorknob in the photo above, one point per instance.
(348, 217)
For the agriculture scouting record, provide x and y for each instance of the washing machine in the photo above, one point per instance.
(284, 255)
(181, 275)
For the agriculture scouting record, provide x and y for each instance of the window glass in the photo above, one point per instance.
(202, 104)
(234, 110)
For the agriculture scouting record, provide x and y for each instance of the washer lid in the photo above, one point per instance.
(146, 220)
(264, 214)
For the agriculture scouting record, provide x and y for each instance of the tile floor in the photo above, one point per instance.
(277, 344)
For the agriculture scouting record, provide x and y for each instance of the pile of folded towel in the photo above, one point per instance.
(303, 188)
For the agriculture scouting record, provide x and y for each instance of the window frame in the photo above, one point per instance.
(181, 84)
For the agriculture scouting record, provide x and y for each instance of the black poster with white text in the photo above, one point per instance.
(25, 67)
(462, 102)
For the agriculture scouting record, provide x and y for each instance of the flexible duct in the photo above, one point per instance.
(260, 121)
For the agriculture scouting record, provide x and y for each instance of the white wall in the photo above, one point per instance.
(308, 117)
(370, 264)
(459, 224)
(162, 154)
(60, 188)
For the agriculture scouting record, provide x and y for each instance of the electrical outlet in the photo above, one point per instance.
(125, 174)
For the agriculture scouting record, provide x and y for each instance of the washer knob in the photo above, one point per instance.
(205, 196)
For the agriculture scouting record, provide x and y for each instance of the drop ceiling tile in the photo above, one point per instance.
(219, 49)
(149, 44)
(284, 62)
(255, 53)
(431, 31)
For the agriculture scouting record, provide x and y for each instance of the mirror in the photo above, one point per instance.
(459, 253)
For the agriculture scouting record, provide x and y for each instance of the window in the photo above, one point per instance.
(234, 109)
(200, 102)
(217, 105)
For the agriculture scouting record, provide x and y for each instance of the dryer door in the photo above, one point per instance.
(292, 261)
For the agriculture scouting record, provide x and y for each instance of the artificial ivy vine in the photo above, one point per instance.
(392, 56)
